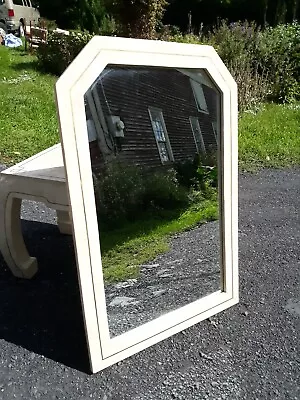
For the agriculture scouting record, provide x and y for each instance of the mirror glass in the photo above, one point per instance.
(154, 145)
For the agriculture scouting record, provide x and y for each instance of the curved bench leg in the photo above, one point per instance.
(64, 222)
(12, 244)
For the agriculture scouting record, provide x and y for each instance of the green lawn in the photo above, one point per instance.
(270, 138)
(27, 107)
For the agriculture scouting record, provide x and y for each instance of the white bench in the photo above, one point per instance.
(40, 178)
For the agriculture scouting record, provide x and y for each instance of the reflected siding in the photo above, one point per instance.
(128, 93)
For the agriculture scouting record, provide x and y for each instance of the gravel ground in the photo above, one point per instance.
(188, 271)
(250, 351)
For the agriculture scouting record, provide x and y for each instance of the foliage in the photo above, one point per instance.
(60, 50)
(279, 53)
(83, 15)
(238, 44)
(137, 18)
(50, 25)
(264, 63)
(207, 13)
(200, 174)
(124, 192)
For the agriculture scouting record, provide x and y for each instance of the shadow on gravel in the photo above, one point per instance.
(44, 314)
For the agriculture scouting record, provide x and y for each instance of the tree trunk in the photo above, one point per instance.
(265, 11)
(295, 9)
(281, 9)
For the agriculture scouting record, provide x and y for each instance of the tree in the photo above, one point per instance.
(138, 18)
(75, 14)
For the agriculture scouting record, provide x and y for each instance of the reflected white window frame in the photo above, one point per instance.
(70, 90)
(165, 140)
(199, 141)
(199, 96)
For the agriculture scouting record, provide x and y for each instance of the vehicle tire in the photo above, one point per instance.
(3, 26)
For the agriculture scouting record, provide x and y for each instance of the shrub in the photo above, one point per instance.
(119, 192)
(138, 18)
(264, 63)
(50, 25)
(279, 53)
(163, 191)
(237, 44)
(60, 50)
(124, 194)
(200, 173)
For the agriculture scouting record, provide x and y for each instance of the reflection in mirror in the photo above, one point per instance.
(154, 146)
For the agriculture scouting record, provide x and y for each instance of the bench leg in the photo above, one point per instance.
(64, 222)
(12, 244)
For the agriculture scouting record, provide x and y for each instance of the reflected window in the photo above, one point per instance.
(199, 96)
(161, 135)
(197, 135)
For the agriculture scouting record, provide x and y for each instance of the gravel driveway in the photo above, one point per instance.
(250, 351)
(189, 270)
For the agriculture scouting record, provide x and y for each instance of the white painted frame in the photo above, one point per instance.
(70, 90)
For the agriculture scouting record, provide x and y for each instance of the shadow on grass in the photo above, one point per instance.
(148, 222)
(26, 66)
(44, 314)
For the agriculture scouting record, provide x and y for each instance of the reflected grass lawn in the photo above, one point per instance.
(125, 249)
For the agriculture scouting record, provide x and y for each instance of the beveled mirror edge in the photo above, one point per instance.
(74, 175)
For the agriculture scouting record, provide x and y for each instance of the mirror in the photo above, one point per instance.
(154, 141)
(149, 138)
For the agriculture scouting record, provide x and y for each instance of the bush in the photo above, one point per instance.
(119, 192)
(124, 194)
(163, 191)
(264, 63)
(136, 18)
(279, 54)
(198, 174)
(237, 44)
(50, 25)
(60, 50)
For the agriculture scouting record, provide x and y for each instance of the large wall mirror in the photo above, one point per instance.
(149, 139)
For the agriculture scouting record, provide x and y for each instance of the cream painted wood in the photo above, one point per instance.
(64, 222)
(40, 178)
(70, 89)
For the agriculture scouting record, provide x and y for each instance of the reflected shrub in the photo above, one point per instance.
(164, 191)
(200, 174)
(119, 192)
(127, 193)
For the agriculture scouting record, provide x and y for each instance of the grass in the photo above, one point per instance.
(270, 137)
(123, 250)
(28, 114)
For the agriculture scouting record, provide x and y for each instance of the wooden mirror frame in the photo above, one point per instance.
(70, 90)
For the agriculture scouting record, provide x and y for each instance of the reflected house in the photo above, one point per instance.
(151, 116)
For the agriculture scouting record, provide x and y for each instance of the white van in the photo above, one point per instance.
(14, 12)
